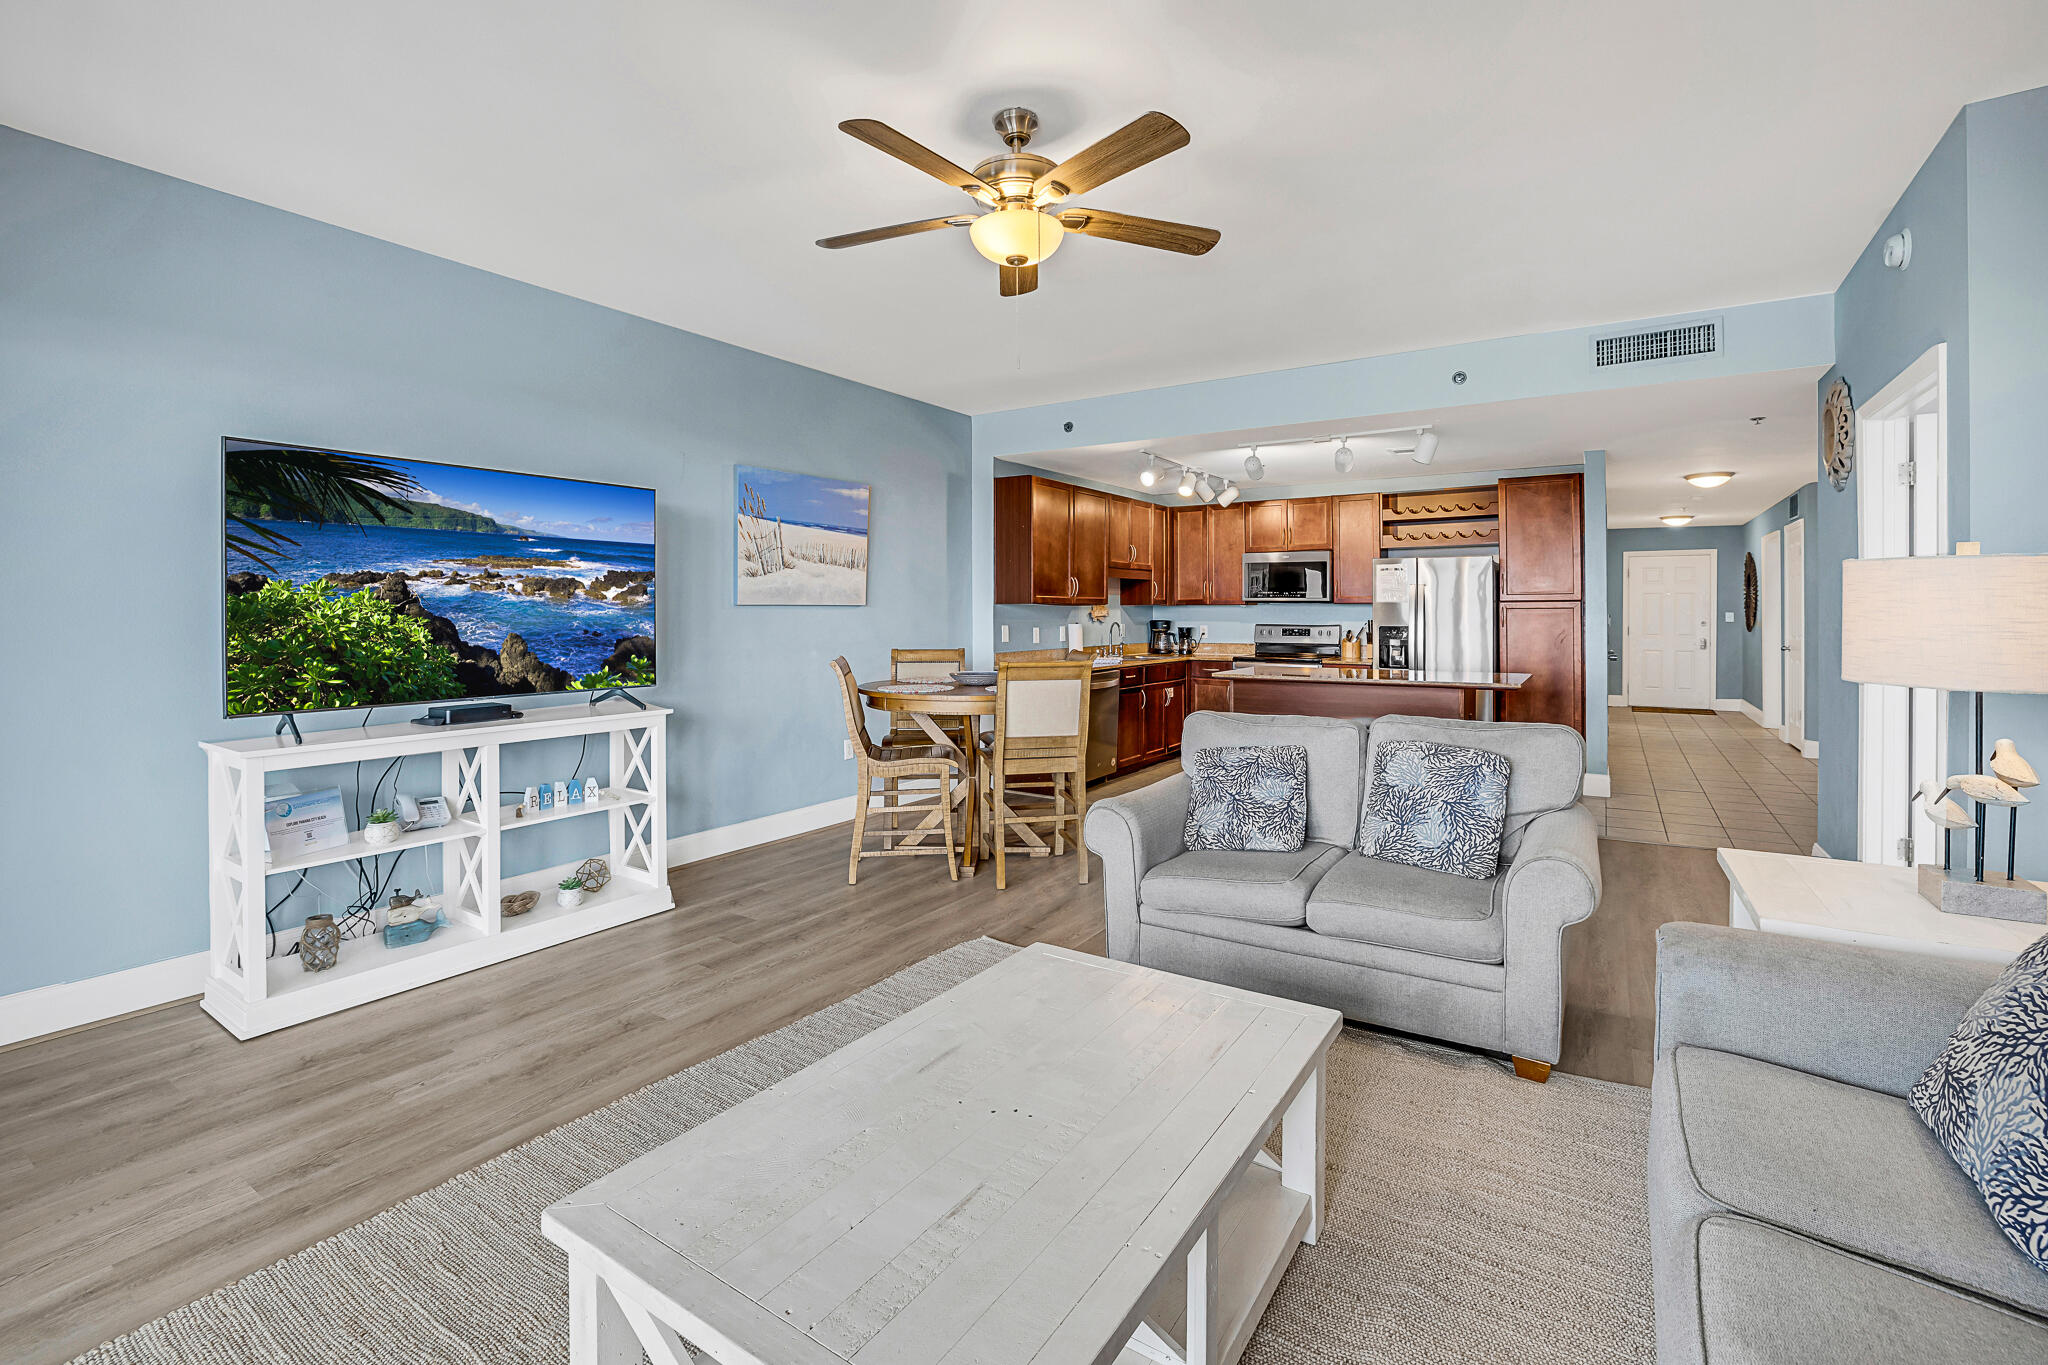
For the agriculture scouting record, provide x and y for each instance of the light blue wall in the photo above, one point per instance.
(142, 318)
(1775, 518)
(1726, 541)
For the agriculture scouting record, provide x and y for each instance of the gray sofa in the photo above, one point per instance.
(1472, 962)
(1799, 1209)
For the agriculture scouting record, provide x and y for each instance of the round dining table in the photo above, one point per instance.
(927, 703)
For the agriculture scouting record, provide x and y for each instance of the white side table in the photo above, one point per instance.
(1850, 902)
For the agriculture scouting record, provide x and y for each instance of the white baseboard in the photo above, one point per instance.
(71, 1004)
(766, 829)
(1598, 784)
(1729, 703)
(1755, 713)
(1613, 700)
(1810, 748)
(53, 1009)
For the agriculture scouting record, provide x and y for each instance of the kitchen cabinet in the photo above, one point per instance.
(1150, 713)
(1275, 524)
(1190, 555)
(1546, 640)
(1542, 537)
(1355, 544)
(1226, 555)
(1130, 536)
(1051, 542)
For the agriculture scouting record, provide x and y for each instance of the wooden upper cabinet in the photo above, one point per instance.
(1190, 555)
(1546, 640)
(1051, 542)
(1355, 545)
(1308, 523)
(1226, 555)
(1088, 547)
(1130, 535)
(1542, 536)
(1273, 524)
(1265, 525)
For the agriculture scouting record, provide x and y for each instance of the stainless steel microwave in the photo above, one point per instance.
(1287, 576)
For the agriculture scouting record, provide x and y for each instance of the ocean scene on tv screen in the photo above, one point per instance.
(359, 580)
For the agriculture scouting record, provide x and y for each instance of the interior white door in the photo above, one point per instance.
(1668, 610)
(1795, 633)
(1770, 626)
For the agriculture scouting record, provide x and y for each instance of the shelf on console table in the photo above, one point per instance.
(251, 994)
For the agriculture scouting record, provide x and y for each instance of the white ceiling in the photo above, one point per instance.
(1386, 175)
(1653, 435)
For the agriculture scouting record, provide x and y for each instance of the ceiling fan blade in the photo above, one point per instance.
(883, 138)
(1153, 232)
(1129, 147)
(1018, 279)
(883, 234)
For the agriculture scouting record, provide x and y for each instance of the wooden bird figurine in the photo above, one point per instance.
(1984, 788)
(1945, 814)
(2008, 767)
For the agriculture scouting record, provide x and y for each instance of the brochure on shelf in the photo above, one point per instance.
(297, 823)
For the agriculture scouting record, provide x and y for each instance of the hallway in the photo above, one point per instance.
(1706, 780)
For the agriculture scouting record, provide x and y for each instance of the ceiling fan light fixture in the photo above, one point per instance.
(1015, 234)
(1676, 518)
(1254, 467)
(1187, 483)
(1712, 478)
(1345, 459)
(1425, 447)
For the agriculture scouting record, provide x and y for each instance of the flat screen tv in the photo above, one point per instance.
(364, 580)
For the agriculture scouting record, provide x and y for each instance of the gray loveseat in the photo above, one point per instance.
(1469, 961)
(1799, 1209)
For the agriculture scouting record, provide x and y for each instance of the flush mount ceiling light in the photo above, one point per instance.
(1254, 467)
(1227, 496)
(1344, 458)
(1713, 478)
(1149, 475)
(1187, 483)
(1676, 518)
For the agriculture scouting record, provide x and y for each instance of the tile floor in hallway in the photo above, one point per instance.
(1706, 781)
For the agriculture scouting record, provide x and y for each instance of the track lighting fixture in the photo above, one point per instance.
(1345, 458)
(1205, 488)
(1149, 475)
(1187, 483)
(1227, 496)
(1254, 467)
(1425, 447)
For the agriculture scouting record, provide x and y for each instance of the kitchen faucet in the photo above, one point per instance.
(1116, 637)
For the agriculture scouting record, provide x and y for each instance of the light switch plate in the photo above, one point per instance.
(846, 749)
(1034, 635)
(1006, 635)
(1728, 616)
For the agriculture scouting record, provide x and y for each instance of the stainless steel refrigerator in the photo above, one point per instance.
(1437, 613)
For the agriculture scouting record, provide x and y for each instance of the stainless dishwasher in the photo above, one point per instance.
(1105, 691)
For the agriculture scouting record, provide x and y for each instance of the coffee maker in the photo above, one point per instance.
(1187, 639)
(1162, 637)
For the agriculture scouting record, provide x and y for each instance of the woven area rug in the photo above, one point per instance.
(1471, 1217)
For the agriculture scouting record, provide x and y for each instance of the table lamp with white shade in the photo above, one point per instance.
(1958, 623)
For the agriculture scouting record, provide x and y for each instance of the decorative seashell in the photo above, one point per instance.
(1945, 814)
(2008, 767)
(1986, 788)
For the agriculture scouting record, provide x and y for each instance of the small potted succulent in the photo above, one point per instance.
(569, 892)
(382, 827)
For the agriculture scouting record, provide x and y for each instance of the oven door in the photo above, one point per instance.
(1290, 576)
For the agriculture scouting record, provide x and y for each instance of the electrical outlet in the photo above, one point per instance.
(1006, 635)
(1034, 635)
(846, 749)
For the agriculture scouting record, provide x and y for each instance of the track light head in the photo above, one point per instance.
(1187, 483)
(1425, 447)
(1345, 459)
(1254, 467)
(1149, 475)
(1205, 488)
(1227, 496)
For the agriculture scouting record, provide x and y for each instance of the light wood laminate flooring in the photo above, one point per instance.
(152, 1160)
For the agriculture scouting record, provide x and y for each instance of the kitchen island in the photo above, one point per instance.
(1353, 691)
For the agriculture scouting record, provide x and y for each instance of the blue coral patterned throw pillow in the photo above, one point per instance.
(1249, 799)
(1986, 1100)
(1435, 806)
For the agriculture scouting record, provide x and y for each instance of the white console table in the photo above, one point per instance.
(251, 995)
(1851, 902)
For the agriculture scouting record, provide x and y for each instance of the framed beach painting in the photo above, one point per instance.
(802, 540)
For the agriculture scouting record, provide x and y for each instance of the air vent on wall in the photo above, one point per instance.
(1681, 342)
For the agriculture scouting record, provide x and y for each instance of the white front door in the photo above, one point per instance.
(1770, 626)
(1668, 611)
(1795, 634)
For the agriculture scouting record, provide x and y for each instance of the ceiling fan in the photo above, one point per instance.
(1025, 216)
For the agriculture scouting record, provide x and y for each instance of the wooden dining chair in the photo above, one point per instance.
(923, 665)
(1040, 737)
(891, 764)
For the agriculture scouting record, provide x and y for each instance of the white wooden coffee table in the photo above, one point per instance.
(1059, 1160)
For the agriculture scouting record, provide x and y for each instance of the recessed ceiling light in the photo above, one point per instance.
(1676, 519)
(1713, 478)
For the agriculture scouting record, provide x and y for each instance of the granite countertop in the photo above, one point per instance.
(1358, 675)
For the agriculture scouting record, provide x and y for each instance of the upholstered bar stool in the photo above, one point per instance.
(1041, 732)
(891, 765)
